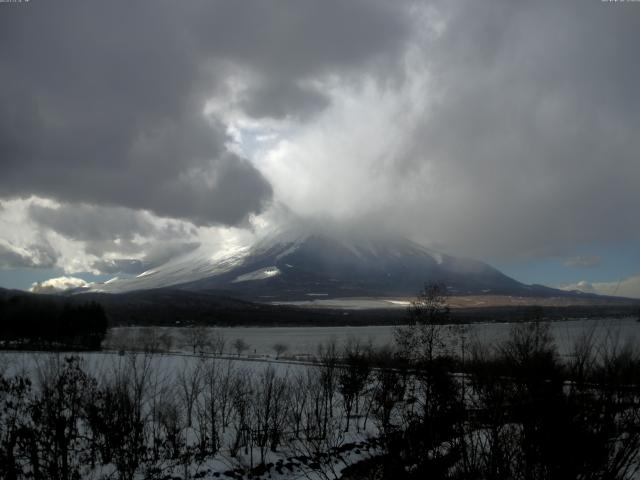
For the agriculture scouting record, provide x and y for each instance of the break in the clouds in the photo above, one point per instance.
(498, 130)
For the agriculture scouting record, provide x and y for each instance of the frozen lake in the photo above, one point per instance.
(303, 341)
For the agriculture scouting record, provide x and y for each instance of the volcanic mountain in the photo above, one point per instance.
(302, 265)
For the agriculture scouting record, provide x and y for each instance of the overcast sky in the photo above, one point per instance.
(132, 132)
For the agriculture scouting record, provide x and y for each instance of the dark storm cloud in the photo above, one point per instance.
(102, 102)
(89, 223)
(100, 106)
(532, 141)
(583, 261)
(499, 129)
(10, 258)
(281, 100)
(292, 39)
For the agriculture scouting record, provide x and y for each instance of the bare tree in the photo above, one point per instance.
(217, 341)
(390, 386)
(124, 402)
(328, 357)
(299, 398)
(212, 405)
(241, 397)
(197, 338)
(190, 384)
(65, 393)
(530, 351)
(421, 339)
(239, 345)
(280, 348)
(170, 422)
(353, 376)
(269, 410)
(321, 433)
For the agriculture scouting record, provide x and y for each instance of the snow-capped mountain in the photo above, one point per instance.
(297, 264)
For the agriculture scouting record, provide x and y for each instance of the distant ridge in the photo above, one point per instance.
(175, 307)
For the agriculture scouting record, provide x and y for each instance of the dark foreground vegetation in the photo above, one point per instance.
(414, 410)
(43, 323)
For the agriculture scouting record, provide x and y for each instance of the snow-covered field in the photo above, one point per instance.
(234, 418)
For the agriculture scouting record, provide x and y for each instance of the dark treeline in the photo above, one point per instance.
(171, 307)
(42, 322)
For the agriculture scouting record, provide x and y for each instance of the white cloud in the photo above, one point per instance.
(474, 131)
(583, 261)
(344, 164)
(81, 238)
(627, 287)
(58, 284)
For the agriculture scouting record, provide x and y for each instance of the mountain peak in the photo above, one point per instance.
(300, 262)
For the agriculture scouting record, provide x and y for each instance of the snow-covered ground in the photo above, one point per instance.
(245, 398)
(214, 386)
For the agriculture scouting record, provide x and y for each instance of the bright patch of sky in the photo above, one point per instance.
(615, 264)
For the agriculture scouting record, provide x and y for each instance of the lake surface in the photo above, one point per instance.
(303, 341)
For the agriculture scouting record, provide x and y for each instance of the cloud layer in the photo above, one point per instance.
(511, 133)
(498, 130)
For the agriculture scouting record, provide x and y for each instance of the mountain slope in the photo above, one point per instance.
(298, 265)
